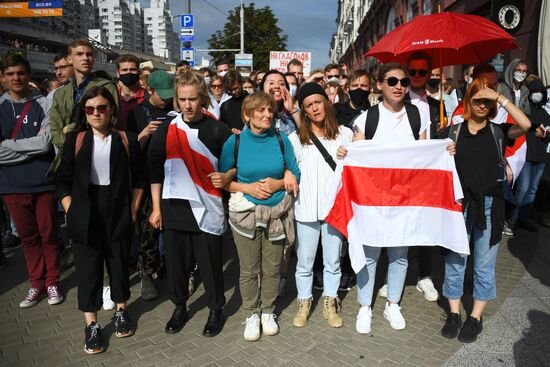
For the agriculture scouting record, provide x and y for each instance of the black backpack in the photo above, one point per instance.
(373, 116)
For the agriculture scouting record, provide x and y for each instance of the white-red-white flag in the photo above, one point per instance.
(188, 162)
(516, 154)
(388, 195)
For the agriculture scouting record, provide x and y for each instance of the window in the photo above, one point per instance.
(149, 18)
(104, 10)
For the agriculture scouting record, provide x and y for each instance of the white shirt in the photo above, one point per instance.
(517, 94)
(392, 126)
(423, 107)
(315, 174)
(101, 157)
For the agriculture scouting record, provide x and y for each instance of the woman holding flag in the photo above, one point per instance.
(183, 158)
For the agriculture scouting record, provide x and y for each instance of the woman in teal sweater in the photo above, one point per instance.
(261, 155)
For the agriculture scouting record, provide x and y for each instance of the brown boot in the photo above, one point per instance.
(331, 306)
(304, 307)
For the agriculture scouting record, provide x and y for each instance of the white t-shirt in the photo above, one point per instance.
(315, 174)
(392, 126)
(101, 156)
(423, 107)
(517, 94)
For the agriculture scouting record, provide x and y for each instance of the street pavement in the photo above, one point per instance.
(515, 331)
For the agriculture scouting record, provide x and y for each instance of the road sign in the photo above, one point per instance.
(188, 54)
(187, 38)
(243, 64)
(187, 20)
(187, 31)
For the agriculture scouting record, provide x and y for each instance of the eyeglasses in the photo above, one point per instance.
(482, 101)
(392, 81)
(102, 109)
(217, 86)
(421, 72)
(62, 67)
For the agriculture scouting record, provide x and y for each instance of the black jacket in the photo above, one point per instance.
(345, 114)
(74, 179)
(434, 113)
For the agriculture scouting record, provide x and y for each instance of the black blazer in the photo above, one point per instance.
(434, 113)
(74, 179)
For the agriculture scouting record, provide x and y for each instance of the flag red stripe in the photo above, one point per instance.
(402, 187)
(199, 166)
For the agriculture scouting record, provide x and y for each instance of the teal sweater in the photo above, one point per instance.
(259, 157)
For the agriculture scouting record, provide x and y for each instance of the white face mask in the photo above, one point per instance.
(293, 90)
(207, 80)
(519, 76)
(222, 73)
(536, 97)
(250, 90)
(334, 79)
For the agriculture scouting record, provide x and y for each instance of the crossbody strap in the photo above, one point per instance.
(323, 151)
(19, 123)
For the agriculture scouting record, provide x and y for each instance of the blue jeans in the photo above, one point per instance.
(306, 247)
(397, 271)
(485, 258)
(526, 189)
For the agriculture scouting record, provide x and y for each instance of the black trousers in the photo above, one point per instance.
(89, 258)
(180, 246)
(149, 257)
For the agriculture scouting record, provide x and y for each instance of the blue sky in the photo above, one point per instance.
(309, 24)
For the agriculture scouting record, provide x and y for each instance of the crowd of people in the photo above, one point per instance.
(107, 172)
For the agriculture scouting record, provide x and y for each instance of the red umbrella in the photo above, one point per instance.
(449, 38)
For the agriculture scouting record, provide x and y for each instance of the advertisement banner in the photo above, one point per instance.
(31, 9)
(278, 60)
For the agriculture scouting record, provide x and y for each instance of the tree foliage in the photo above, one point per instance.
(261, 35)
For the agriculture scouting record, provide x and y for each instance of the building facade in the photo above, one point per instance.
(382, 16)
(158, 27)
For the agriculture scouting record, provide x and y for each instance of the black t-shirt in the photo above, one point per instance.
(176, 213)
(141, 115)
(345, 114)
(230, 111)
(477, 160)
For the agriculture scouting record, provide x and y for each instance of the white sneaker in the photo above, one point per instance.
(364, 320)
(383, 292)
(269, 325)
(252, 328)
(392, 313)
(426, 286)
(108, 304)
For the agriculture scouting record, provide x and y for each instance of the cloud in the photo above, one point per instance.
(309, 24)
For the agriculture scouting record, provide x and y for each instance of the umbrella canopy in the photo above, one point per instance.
(449, 38)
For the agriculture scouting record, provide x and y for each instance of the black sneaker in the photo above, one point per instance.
(123, 325)
(347, 281)
(470, 330)
(92, 339)
(9, 240)
(148, 290)
(452, 325)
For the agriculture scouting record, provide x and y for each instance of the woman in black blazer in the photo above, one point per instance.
(100, 185)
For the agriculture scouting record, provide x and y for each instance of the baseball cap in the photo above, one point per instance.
(162, 83)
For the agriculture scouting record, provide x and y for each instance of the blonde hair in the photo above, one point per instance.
(191, 77)
(254, 101)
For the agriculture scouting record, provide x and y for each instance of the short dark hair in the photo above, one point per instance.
(291, 75)
(294, 62)
(206, 69)
(230, 78)
(331, 66)
(15, 59)
(483, 69)
(126, 58)
(419, 55)
(222, 62)
(60, 56)
(182, 63)
(359, 73)
(273, 71)
(386, 68)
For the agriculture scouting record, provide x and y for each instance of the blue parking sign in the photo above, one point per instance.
(187, 20)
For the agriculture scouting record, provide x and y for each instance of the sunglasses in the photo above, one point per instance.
(102, 109)
(62, 67)
(216, 86)
(392, 81)
(421, 72)
(483, 101)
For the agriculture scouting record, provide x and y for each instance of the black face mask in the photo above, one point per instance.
(433, 83)
(359, 97)
(129, 79)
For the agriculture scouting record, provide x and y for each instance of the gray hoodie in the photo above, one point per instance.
(507, 88)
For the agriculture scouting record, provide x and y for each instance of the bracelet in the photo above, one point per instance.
(503, 104)
(292, 113)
